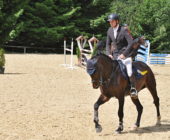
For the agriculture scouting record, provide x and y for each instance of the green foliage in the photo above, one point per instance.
(94, 50)
(2, 58)
(144, 17)
(154, 18)
(10, 11)
(48, 22)
(78, 52)
(45, 23)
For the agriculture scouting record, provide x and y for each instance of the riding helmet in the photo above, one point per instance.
(113, 17)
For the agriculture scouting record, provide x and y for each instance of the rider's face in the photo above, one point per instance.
(113, 23)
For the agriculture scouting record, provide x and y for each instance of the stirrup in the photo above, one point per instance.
(133, 93)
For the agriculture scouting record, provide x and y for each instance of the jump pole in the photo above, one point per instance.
(148, 55)
(70, 66)
(65, 53)
(71, 57)
(81, 42)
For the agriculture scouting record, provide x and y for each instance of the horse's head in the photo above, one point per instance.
(98, 68)
(92, 70)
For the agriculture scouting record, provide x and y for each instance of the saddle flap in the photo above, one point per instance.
(136, 72)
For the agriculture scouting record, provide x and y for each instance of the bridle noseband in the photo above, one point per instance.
(103, 82)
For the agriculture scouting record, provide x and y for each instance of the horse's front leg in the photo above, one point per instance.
(102, 99)
(120, 114)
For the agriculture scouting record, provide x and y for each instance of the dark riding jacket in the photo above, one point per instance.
(119, 45)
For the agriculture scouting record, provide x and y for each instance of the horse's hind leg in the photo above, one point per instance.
(139, 108)
(153, 91)
(102, 99)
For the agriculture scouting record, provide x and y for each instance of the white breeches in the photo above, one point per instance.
(128, 64)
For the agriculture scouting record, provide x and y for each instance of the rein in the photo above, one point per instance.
(104, 82)
(101, 82)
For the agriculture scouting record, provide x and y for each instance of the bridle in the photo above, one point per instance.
(103, 82)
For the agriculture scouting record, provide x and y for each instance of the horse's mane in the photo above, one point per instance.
(136, 40)
(136, 43)
(107, 59)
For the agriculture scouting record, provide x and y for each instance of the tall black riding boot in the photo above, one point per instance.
(133, 91)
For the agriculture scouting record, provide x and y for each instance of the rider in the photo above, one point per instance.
(118, 46)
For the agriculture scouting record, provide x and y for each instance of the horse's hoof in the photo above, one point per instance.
(135, 127)
(119, 130)
(158, 124)
(98, 129)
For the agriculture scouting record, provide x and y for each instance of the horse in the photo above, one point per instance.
(106, 74)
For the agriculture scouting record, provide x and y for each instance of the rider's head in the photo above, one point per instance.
(113, 20)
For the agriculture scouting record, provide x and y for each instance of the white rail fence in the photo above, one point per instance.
(68, 49)
(144, 55)
(156, 58)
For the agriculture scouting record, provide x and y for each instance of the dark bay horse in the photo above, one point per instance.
(106, 75)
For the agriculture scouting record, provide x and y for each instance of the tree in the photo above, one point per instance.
(144, 17)
(10, 11)
(47, 22)
(152, 19)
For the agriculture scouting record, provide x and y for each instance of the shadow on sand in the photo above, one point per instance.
(13, 73)
(164, 127)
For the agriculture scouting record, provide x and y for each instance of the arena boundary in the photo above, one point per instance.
(157, 58)
(145, 56)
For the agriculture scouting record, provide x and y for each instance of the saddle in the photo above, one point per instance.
(136, 72)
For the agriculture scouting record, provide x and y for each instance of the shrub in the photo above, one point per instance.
(2, 57)
(78, 52)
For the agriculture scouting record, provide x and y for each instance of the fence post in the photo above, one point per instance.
(65, 52)
(71, 57)
(25, 50)
(148, 54)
